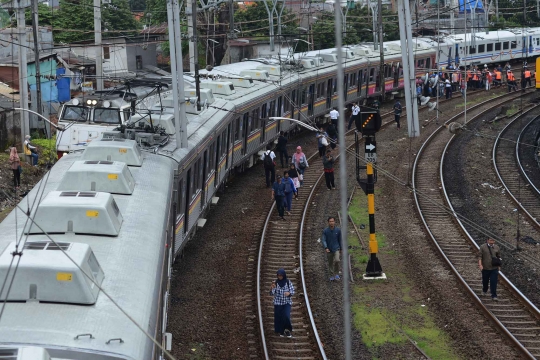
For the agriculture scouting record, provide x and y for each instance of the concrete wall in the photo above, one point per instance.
(148, 54)
(10, 128)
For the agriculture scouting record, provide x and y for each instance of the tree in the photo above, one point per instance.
(253, 21)
(46, 15)
(79, 15)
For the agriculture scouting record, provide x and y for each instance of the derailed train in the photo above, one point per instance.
(124, 206)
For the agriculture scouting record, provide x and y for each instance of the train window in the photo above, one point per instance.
(371, 75)
(287, 103)
(180, 196)
(264, 110)
(481, 48)
(320, 90)
(237, 129)
(472, 50)
(334, 86)
(346, 80)
(303, 96)
(497, 46)
(489, 47)
(505, 45)
(255, 118)
(513, 44)
(420, 64)
(537, 41)
(272, 110)
(428, 63)
(353, 80)
(199, 175)
(127, 114)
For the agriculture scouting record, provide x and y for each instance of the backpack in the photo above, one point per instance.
(267, 161)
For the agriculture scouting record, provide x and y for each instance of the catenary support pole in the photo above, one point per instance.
(194, 39)
(191, 30)
(99, 48)
(23, 71)
(382, 77)
(177, 71)
(405, 33)
(35, 33)
(343, 182)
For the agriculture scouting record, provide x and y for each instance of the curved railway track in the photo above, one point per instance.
(507, 161)
(513, 315)
(276, 249)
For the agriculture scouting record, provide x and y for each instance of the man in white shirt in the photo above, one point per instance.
(334, 116)
(355, 112)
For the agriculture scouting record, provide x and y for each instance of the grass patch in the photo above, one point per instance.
(196, 352)
(509, 221)
(513, 110)
(5, 213)
(386, 311)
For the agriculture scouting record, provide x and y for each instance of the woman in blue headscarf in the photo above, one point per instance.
(283, 290)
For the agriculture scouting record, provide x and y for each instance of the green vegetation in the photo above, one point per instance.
(513, 110)
(405, 317)
(46, 150)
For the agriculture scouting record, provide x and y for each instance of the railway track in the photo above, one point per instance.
(277, 249)
(507, 161)
(513, 315)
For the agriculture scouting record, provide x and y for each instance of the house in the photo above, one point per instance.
(124, 56)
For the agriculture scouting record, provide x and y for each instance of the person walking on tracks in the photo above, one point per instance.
(290, 189)
(489, 262)
(282, 289)
(334, 116)
(294, 175)
(278, 194)
(322, 141)
(328, 163)
(299, 160)
(282, 149)
(333, 134)
(269, 165)
(397, 112)
(331, 240)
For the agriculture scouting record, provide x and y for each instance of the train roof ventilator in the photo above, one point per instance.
(46, 274)
(106, 176)
(113, 149)
(84, 212)
(165, 120)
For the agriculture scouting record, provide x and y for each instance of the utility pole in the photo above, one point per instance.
(177, 70)
(99, 49)
(407, 55)
(193, 40)
(381, 51)
(35, 32)
(19, 5)
(191, 7)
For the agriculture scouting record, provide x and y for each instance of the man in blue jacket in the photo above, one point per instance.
(331, 240)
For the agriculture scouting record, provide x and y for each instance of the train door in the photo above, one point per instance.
(397, 68)
(360, 82)
(204, 179)
(345, 86)
(311, 99)
(280, 106)
(329, 92)
(245, 133)
(188, 192)
(217, 156)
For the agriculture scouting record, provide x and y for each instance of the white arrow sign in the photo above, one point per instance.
(370, 147)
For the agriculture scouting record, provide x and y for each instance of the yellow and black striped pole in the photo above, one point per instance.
(373, 268)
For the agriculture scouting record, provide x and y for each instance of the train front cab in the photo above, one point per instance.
(536, 76)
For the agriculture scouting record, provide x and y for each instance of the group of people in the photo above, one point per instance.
(15, 161)
(456, 78)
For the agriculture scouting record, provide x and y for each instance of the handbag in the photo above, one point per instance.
(302, 164)
(324, 142)
(20, 169)
(495, 261)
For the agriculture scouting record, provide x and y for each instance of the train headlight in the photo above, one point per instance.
(94, 102)
(88, 102)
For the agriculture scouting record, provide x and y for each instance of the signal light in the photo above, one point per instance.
(368, 122)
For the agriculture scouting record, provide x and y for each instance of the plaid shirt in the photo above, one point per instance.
(279, 298)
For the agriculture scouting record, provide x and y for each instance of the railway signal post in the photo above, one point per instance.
(368, 124)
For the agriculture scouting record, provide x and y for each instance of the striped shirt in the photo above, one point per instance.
(278, 292)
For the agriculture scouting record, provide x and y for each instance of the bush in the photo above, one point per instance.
(46, 150)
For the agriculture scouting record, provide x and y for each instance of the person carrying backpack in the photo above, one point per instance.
(269, 165)
(299, 160)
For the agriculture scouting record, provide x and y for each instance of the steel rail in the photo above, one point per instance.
(265, 228)
(519, 158)
(477, 300)
(494, 161)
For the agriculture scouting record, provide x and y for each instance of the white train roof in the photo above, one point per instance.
(129, 261)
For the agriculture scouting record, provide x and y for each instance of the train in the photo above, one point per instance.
(122, 202)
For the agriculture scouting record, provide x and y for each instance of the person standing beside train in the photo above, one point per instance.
(526, 77)
(281, 148)
(448, 88)
(334, 116)
(489, 262)
(354, 115)
(269, 165)
(322, 141)
(397, 112)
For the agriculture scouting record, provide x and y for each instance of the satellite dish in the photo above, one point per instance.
(454, 127)
(431, 106)
(424, 100)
